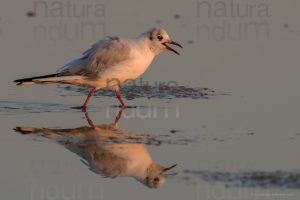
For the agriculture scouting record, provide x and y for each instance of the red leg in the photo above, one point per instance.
(89, 119)
(119, 116)
(88, 98)
(120, 98)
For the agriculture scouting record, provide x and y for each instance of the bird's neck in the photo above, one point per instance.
(145, 43)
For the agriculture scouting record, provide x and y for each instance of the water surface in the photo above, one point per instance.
(229, 120)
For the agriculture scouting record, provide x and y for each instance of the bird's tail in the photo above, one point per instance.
(29, 81)
(51, 78)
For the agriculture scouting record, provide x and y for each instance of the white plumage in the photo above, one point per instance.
(110, 63)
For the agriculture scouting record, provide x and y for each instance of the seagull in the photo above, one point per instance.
(110, 63)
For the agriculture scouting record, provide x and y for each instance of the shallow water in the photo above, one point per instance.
(131, 92)
(225, 111)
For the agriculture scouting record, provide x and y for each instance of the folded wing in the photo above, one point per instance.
(103, 54)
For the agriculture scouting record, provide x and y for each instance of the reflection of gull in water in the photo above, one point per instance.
(108, 151)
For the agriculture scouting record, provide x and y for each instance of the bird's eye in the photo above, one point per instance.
(159, 37)
(156, 179)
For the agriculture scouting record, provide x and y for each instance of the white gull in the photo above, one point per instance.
(110, 63)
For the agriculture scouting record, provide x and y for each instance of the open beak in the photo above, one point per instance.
(168, 168)
(169, 48)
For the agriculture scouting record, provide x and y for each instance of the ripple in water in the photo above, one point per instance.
(157, 92)
(14, 107)
(263, 179)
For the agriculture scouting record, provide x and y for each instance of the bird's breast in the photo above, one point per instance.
(125, 71)
(134, 67)
(140, 62)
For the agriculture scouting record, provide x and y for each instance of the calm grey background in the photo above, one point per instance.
(261, 76)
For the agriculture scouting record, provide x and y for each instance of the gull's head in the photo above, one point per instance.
(159, 41)
(156, 175)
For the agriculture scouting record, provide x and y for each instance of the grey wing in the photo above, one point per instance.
(103, 54)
